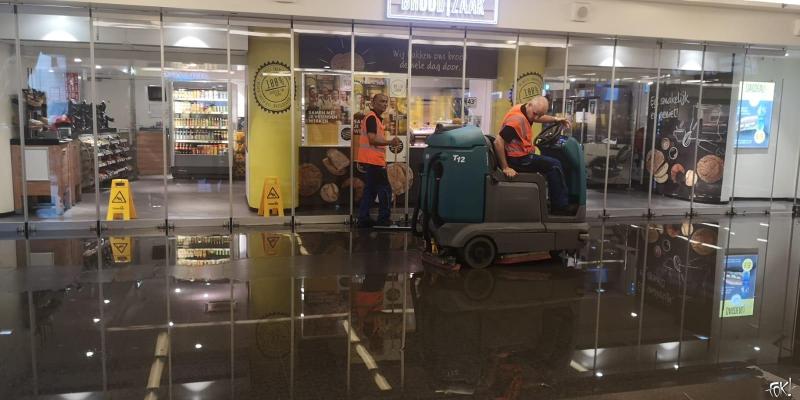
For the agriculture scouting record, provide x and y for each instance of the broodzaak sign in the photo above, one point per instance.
(464, 11)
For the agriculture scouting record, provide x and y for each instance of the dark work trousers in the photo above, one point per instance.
(552, 170)
(377, 184)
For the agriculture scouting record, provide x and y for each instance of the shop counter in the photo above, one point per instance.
(52, 169)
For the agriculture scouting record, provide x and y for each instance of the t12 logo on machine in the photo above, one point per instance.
(467, 11)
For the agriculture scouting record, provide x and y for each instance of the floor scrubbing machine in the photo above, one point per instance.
(471, 213)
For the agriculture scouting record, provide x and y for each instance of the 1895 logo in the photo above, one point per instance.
(271, 87)
(529, 85)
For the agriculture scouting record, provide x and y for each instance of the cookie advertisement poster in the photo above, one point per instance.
(755, 114)
(739, 288)
(684, 125)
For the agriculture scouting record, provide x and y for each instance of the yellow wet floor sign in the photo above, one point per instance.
(121, 249)
(271, 200)
(120, 201)
(269, 243)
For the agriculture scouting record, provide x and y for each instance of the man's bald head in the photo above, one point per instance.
(538, 105)
(379, 103)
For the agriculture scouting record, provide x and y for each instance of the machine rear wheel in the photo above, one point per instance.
(479, 252)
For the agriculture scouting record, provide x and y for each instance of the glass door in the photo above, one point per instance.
(323, 74)
(59, 119)
(381, 69)
(196, 112)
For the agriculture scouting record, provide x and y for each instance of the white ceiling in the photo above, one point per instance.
(771, 5)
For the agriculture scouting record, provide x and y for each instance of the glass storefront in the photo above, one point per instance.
(146, 119)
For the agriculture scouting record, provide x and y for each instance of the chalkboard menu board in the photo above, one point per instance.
(683, 126)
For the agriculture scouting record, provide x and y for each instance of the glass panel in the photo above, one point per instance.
(262, 78)
(435, 90)
(383, 58)
(376, 332)
(590, 92)
(57, 113)
(752, 288)
(69, 302)
(674, 100)
(715, 137)
(263, 336)
(436, 83)
(199, 105)
(15, 322)
(324, 77)
(761, 145)
(490, 79)
(628, 181)
(11, 205)
(130, 138)
(548, 78)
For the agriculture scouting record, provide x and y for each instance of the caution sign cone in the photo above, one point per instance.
(121, 249)
(271, 204)
(120, 201)
(269, 242)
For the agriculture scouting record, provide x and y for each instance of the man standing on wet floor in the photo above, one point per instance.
(371, 154)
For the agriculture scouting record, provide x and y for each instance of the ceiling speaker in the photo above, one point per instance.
(580, 12)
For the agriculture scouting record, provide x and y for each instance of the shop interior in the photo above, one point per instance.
(199, 128)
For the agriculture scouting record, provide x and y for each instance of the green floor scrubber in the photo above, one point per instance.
(469, 212)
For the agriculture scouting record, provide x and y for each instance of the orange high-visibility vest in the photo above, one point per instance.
(367, 153)
(523, 146)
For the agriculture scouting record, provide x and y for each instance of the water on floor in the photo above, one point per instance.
(667, 309)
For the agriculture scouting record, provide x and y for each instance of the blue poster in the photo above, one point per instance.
(739, 288)
(755, 114)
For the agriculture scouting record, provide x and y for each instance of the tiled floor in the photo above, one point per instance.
(329, 313)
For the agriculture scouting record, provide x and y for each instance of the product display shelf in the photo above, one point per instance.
(114, 158)
(199, 100)
(197, 251)
(200, 129)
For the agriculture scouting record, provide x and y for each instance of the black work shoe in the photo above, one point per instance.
(570, 210)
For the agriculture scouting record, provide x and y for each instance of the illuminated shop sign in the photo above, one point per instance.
(465, 11)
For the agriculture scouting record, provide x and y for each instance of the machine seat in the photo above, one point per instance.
(497, 173)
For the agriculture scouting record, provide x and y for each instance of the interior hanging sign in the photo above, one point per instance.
(464, 11)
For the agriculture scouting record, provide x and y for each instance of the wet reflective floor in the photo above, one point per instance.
(663, 309)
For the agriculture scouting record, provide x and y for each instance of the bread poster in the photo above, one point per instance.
(688, 156)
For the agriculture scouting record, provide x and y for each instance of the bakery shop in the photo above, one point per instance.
(199, 114)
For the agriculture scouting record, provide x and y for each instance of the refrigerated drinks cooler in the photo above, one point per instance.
(200, 128)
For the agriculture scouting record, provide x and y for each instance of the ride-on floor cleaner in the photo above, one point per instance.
(470, 212)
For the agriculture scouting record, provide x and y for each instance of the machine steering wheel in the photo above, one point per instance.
(549, 135)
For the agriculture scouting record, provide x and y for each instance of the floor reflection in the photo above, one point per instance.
(335, 313)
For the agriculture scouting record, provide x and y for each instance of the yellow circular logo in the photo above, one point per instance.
(271, 87)
(747, 264)
(760, 136)
(529, 85)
